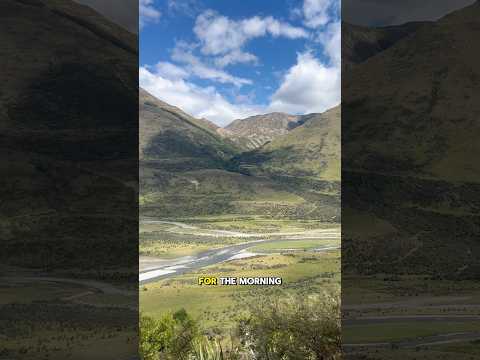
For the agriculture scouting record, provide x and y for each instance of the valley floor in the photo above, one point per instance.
(305, 254)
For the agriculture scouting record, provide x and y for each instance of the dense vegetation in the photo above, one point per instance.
(283, 329)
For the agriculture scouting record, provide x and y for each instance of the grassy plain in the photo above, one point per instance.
(217, 307)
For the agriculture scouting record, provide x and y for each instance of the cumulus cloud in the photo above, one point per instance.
(312, 84)
(148, 12)
(331, 41)
(317, 13)
(201, 102)
(309, 86)
(221, 36)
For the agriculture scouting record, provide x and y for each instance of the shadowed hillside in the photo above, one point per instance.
(407, 153)
(360, 43)
(170, 135)
(67, 120)
(68, 183)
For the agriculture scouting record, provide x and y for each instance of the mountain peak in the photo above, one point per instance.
(260, 129)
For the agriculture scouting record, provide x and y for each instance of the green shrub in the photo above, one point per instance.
(290, 328)
(171, 337)
(294, 328)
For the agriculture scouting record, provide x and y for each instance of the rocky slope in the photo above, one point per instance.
(311, 149)
(255, 131)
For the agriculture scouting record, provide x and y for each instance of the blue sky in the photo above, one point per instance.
(224, 60)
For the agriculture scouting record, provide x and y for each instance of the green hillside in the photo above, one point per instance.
(167, 133)
(309, 150)
(187, 169)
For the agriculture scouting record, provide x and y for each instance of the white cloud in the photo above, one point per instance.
(200, 102)
(184, 7)
(148, 12)
(182, 53)
(309, 86)
(316, 13)
(170, 71)
(331, 40)
(235, 57)
(314, 85)
(220, 35)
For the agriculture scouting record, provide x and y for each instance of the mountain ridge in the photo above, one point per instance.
(247, 133)
(186, 169)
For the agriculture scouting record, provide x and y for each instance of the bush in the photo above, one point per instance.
(171, 337)
(294, 328)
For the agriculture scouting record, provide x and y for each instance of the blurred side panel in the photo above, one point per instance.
(411, 180)
(68, 183)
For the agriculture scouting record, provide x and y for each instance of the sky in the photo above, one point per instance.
(225, 60)
(229, 59)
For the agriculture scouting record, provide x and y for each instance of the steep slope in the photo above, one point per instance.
(168, 134)
(210, 125)
(255, 131)
(410, 136)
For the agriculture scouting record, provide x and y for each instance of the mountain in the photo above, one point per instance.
(410, 134)
(311, 149)
(169, 135)
(187, 170)
(210, 125)
(255, 131)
